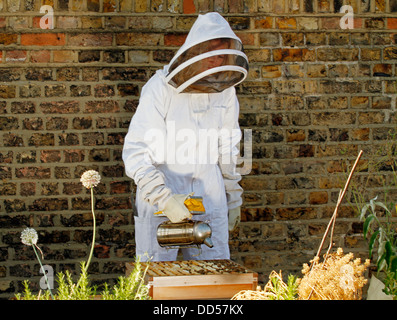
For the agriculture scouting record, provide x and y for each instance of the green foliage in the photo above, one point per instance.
(283, 291)
(381, 168)
(381, 232)
(68, 290)
(292, 285)
(28, 294)
(127, 288)
(379, 214)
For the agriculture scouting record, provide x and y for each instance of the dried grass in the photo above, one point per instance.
(275, 289)
(338, 277)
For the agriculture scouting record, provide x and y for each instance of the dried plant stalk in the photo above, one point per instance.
(338, 277)
(342, 193)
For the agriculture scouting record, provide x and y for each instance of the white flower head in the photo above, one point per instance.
(29, 236)
(90, 179)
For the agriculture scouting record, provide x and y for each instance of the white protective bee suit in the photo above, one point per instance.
(184, 137)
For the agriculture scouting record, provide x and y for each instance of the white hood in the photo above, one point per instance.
(210, 60)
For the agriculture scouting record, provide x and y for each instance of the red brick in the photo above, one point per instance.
(235, 6)
(60, 107)
(36, 22)
(7, 92)
(248, 39)
(189, 7)
(120, 187)
(33, 173)
(330, 23)
(295, 213)
(320, 197)
(358, 23)
(286, 23)
(43, 39)
(391, 23)
(109, 6)
(74, 156)
(67, 22)
(138, 39)
(264, 23)
(174, 39)
(40, 56)
(7, 38)
(91, 39)
(93, 5)
(288, 54)
(47, 156)
(63, 56)
(107, 106)
(28, 188)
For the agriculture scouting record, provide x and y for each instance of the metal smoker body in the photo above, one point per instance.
(184, 234)
(187, 233)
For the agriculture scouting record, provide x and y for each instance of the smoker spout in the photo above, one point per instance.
(208, 242)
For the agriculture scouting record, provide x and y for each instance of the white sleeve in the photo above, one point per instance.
(230, 136)
(142, 142)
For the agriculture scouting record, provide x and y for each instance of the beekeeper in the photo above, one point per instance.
(183, 139)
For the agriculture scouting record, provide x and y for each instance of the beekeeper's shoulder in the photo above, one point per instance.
(156, 94)
(230, 96)
(156, 86)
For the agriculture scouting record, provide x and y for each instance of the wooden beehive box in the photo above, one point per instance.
(196, 279)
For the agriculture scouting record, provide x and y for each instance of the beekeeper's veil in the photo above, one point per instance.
(210, 60)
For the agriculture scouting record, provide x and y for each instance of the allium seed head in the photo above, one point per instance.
(29, 236)
(90, 179)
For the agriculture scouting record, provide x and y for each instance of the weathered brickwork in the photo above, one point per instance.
(316, 94)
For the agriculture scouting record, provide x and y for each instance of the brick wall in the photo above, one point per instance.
(317, 93)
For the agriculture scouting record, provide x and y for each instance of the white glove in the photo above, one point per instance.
(175, 209)
(234, 218)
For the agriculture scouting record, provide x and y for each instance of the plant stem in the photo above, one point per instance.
(331, 223)
(340, 198)
(94, 227)
(42, 268)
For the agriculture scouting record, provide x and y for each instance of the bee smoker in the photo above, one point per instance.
(187, 233)
(184, 234)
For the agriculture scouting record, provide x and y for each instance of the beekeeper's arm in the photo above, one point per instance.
(230, 136)
(144, 147)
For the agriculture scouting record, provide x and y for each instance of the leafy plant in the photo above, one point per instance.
(91, 179)
(68, 290)
(275, 289)
(379, 221)
(126, 288)
(28, 295)
(29, 237)
(282, 291)
(381, 232)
